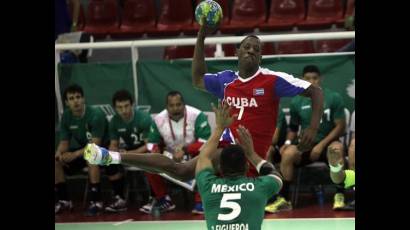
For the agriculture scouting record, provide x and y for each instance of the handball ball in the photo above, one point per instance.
(211, 10)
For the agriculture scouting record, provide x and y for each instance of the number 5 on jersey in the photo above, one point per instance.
(227, 202)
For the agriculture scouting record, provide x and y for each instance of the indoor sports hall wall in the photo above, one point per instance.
(157, 77)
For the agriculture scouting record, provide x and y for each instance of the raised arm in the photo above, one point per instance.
(223, 120)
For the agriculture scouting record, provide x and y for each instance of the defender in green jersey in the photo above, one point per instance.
(234, 201)
(332, 127)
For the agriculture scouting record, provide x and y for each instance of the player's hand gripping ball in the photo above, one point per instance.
(212, 12)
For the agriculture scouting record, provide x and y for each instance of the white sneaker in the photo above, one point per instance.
(63, 205)
(148, 207)
(119, 205)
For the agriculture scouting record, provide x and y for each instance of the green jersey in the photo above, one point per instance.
(132, 132)
(333, 109)
(235, 202)
(92, 124)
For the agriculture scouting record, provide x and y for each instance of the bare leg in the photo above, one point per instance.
(335, 158)
(158, 163)
(290, 156)
(352, 154)
(58, 173)
(94, 173)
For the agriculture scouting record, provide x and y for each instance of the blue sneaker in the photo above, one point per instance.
(198, 209)
(165, 204)
(94, 209)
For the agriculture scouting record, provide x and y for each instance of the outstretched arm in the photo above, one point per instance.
(223, 120)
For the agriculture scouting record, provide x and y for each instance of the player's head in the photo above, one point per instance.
(233, 161)
(175, 105)
(123, 104)
(311, 74)
(74, 98)
(249, 52)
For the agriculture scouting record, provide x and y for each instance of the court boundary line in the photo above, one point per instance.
(197, 221)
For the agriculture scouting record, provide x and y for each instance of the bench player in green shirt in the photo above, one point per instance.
(82, 124)
(332, 127)
(132, 126)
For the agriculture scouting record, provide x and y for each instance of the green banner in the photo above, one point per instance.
(157, 78)
(98, 80)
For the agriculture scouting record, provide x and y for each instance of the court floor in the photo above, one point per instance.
(276, 224)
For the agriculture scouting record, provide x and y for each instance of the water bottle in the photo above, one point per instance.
(155, 212)
(320, 195)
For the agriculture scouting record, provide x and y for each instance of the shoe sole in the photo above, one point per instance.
(170, 208)
(197, 212)
(279, 210)
(145, 210)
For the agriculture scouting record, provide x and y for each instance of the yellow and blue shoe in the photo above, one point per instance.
(339, 201)
(280, 204)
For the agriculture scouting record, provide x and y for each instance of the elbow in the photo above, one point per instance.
(197, 82)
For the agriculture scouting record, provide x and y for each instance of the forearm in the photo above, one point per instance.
(76, 11)
(316, 96)
(275, 137)
(79, 152)
(198, 62)
(254, 158)
(212, 144)
(62, 147)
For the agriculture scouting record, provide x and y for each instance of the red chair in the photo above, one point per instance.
(175, 52)
(322, 14)
(174, 15)
(350, 6)
(102, 17)
(295, 47)
(225, 20)
(81, 16)
(138, 17)
(284, 14)
(246, 15)
(326, 46)
(268, 48)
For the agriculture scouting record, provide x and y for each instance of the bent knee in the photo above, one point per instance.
(290, 154)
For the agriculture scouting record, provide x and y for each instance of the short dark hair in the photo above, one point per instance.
(233, 160)
(74, 88)
(174, 93)
(249, 36)
(122, 95)
(311, 69)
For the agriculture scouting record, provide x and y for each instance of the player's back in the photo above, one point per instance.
(235, 202)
